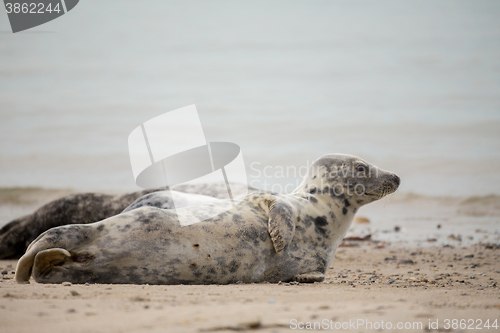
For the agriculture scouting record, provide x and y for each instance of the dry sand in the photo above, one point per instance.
(369, 282)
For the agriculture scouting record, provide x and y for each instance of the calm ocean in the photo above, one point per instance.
(413, 87)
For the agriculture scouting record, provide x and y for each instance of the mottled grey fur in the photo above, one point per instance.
(266, 237)
(84, 208)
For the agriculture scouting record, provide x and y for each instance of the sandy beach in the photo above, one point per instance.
(412, 260)
(411, 87)
(368, 284)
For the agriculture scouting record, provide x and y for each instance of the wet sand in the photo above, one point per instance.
(368, 282)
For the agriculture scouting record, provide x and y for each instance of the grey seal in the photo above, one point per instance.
(267, 237)
(84, 208)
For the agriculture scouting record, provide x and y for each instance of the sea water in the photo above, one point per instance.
(413, 88)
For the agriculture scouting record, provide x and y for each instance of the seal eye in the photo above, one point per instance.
(361, 168)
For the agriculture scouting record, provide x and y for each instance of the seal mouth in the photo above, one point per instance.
(385, 189)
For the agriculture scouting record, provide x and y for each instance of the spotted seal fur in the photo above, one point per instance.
(84, 208)
(267, 237)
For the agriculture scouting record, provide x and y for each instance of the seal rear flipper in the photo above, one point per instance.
(281, 225)
(42, 263)
(46, 261)
(54, 245)
(24, 267)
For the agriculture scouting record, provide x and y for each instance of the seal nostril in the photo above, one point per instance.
(397, 180)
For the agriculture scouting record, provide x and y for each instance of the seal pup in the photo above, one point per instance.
(84, 208)
(267, 237)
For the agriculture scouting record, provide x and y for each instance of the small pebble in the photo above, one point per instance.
(472, 277)
(71, 311)
(74, 293)
(469, 256)
(271, 301)
(66, 284)
(390, 282)
(406, 261)
(390, 258)
(397, 228)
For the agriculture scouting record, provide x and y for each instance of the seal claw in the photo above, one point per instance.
(310, 277)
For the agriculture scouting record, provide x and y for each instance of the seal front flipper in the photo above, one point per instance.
(309, 277)
(281, 225)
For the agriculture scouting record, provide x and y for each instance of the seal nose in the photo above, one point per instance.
(397, 180)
